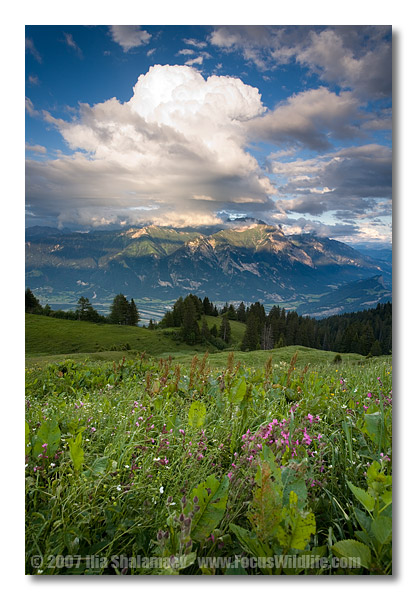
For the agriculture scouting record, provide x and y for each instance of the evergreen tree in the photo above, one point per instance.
(207, 306)
(190, 331)
(119, 311)
(267, 340)
(225, 332)
(251, 338)
(178, 312)
(32, 304)
(376, 349)
(133, 313)
(241, 313)
(83, 310)
(205, 332)
(214, 332)
(231, 313)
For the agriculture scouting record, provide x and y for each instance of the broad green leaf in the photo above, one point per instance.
(293, 482)
(296, 528)
(387, 497)
(76, 451)
(197, 414)
(250, 542)
(353, 549)
(364, 520)
(212, 499)
(238, 392)
(99, 467)
(48, 433)
(268, 456)
(364, 498)
(374, 426)
(364, 537)
(382, 529)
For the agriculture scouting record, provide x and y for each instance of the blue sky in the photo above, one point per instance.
(182, 125)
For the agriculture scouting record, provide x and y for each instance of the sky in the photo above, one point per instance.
(195, 125)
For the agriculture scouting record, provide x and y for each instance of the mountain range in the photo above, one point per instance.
(247, 262)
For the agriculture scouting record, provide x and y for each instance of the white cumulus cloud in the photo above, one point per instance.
(176, 151)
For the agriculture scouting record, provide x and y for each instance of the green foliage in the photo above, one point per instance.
(196, 414)
(76, 451)
(124, 446)
(211, 497)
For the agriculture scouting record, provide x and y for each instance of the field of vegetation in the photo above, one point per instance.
(228, 463)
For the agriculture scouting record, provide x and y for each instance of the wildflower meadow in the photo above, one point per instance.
(193, 468)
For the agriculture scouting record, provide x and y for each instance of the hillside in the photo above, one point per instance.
(46, 336)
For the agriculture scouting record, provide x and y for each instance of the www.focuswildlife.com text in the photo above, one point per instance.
(94, 561)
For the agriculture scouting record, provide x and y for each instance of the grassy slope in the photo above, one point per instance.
(46, 336)
(50, 340)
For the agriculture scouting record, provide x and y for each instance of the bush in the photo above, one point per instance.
(337, 358)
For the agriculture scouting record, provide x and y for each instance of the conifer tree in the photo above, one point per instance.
(32, 304)
(225, 332)
(251, 338)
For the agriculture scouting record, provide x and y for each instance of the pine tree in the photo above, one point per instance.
(32, 304)
(241, 313)
(267, 341)
(190, 331)
(225, 332)
(133, 316)
(119, 311)
(205, 332)
(231, 313)
(83, 309)
(207, 306)
(251, 338)
(214, 332)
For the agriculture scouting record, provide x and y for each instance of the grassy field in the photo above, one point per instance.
(46, 335)
(198, 462)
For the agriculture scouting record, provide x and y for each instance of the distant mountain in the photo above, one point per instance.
(351, 297)
(246, 262)
(375, 251)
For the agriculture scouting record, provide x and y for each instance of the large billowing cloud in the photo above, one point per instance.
(174, 153)
(182, 150)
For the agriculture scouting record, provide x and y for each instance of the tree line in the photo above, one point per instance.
(367, 332)
(122, 312)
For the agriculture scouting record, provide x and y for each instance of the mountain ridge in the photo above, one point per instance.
(249, 262)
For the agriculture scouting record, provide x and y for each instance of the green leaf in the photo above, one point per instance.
(238, 392)
(197, 414)
(212, 499)
(250, 542)
(297, 528)
(48, 433)
(364, 498)
(293, 482)
(99, 467)
(76, 451)
(374, 427)
(382, 529)
(353, 549)
(363, 519)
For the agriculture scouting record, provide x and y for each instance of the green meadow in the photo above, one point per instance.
(203, 463)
